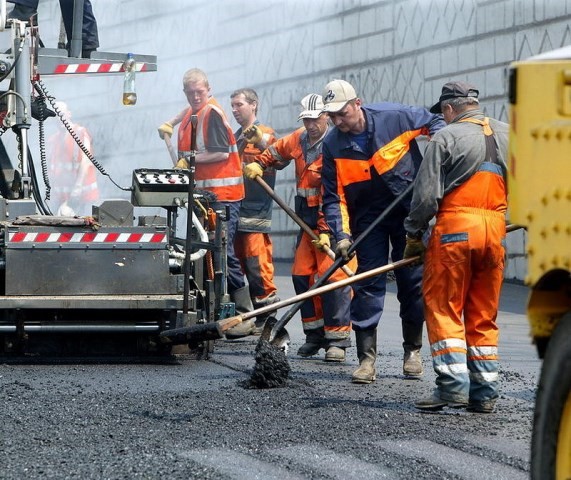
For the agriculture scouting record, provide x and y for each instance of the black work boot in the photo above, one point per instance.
(366, 341)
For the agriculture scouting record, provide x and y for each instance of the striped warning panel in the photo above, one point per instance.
(86, 237)
(114, 67)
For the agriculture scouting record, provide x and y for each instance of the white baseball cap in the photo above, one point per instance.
(337, 94)
(312, 105)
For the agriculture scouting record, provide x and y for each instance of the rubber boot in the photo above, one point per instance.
(366, 341)
(412, 363)
(243, 302)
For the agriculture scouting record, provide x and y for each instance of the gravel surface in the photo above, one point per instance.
(186, 418)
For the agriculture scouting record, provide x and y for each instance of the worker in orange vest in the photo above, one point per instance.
(218, 170)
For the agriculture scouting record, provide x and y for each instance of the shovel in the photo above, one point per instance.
(215, 330)
(296, 218)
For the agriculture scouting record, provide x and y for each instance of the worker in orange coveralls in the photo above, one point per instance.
(326, 321)
(252, 243)
(462, 180)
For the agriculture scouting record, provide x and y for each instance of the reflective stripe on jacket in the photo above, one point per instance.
(222, 178)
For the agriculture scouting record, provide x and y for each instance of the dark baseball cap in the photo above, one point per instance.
(455, 90)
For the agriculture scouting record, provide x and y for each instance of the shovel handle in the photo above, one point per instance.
(297, 219)
(170, 148)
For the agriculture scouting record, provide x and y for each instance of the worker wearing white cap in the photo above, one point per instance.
(369, 159)
(326, 321)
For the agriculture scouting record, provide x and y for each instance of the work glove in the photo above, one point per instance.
(165, 129)
(253, 134)
(322, 242)
(341, 250)
(182, 163)
(253, 170)
(414, 248)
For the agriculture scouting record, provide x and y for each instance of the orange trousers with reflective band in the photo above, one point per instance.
(326, 317)
(463, 274)
(255, 252)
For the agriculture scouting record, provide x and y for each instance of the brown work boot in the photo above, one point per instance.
(412, 363)
(241, 330)
(335, 354)
(366, 341)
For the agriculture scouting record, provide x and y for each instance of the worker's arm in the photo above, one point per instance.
(334, 204)
(167, 128)
(428, 190)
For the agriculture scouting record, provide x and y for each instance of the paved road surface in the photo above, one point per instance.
(194, 419)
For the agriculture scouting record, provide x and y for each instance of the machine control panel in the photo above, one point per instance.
(159, 187)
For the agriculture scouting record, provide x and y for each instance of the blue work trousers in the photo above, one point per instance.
(234, 273)
(369, 294)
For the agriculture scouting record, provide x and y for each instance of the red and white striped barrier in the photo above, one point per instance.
(117, 67)
(86, 237)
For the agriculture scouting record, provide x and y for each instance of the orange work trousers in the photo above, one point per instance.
(255, 252)
(326, 317)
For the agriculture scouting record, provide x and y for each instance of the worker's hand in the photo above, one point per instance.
(182, 163)
(414, 248)
(165, 129)
(253, 170)
(342, 249)
(322, 242)
(253, 134)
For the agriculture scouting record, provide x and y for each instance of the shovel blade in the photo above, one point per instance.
(280, 339)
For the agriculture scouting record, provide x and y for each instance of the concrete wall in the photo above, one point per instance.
(396, 50)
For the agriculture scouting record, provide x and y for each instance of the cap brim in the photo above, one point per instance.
(309, 114)
(436, 108)
(335, 106)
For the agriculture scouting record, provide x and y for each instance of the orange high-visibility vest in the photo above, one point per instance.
(222, 178)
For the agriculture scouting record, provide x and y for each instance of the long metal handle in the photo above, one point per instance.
(297, 219)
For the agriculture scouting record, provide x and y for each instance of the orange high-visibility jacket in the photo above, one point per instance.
(308, 163)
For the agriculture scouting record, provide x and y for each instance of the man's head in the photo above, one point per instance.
(63, 109)
(196, 88)
(456, 97)
(244, 104)
(341, 103)
(314, 119)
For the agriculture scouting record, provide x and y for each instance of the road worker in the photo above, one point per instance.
(370, 158)
(326, 321)
(218, 169)
(253, 243)
(462, 181)
(73, 177)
